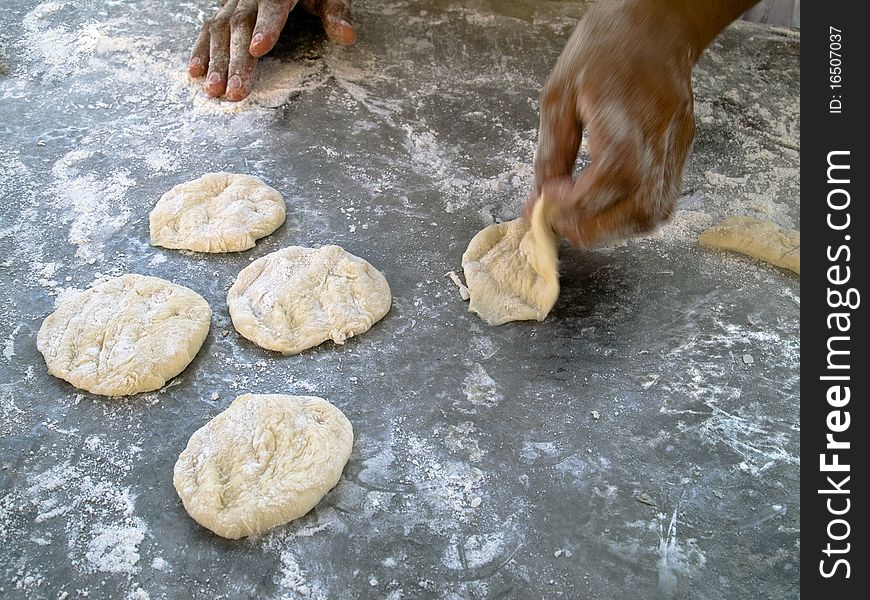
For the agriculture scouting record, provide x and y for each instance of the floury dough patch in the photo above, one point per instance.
(297, 298)
(219, 212)
(264, 461)
(759, 239)
(124, 336)
(512, 270)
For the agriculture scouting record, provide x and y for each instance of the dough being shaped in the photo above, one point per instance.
(264, 461)
(297, 298)
(127, 335)
(512, 270)
(219, 212)
(760, 239)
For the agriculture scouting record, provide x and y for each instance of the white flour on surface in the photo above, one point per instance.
(74, 495)
(134, 124)
(474, 552)
(115, 549)
(99, 206)
(9, 344)
(81, 504)
(676, 557)
(480, 389)
(60, 49)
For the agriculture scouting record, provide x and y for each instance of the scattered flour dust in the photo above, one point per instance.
(533, 451)
(293, 576)
(7, 504)
(115, 548)
(110, 544)
(451, 489)
(449, 169)
(161, 160)
(82, 502)
(98, 205)
(287, 545)
(758, 446)
(12, 417)
(656, 539)
(676, 557)
(60, 49)
(9, 344)
(480, 389)
(475, 551)
(758, 438)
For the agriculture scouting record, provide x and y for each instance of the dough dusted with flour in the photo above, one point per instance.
(297, 298)
(219, 212)
(127, 335)
(760, 239)
(264, 461)
(512, 270)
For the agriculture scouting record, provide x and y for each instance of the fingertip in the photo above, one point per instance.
(214, 92)
(262, 42)
(196, 67)
(340, 31)
(236, 89)
(215, 86)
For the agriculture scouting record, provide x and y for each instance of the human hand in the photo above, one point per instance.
(625, 77)
(229, 44)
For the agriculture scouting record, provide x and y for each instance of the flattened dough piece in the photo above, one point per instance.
(219, 212)
(264, 461)
(127, 335)
(512, 270)
(760, 239)
(298, 297)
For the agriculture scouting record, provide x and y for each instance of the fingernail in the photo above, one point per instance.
(257, 39)
(234, 82)
(214, 78)
(195, 61)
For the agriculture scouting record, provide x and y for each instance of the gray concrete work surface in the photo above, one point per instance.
(641, 442)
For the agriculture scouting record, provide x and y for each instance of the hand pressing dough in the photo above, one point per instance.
(297, 298)
(760, 239)
(264, 461)
(219, 212)
(512, 270)
(127, 335)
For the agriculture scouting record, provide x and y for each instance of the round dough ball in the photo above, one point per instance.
(219, 212)
(127, 335)
(264, 461)
(512, 270)
(297, 298)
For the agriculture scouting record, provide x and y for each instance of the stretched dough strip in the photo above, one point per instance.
(759, 239)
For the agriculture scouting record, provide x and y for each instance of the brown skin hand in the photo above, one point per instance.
(626, 77)
(242, 31)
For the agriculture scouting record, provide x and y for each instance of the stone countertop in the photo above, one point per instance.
(621, 448)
